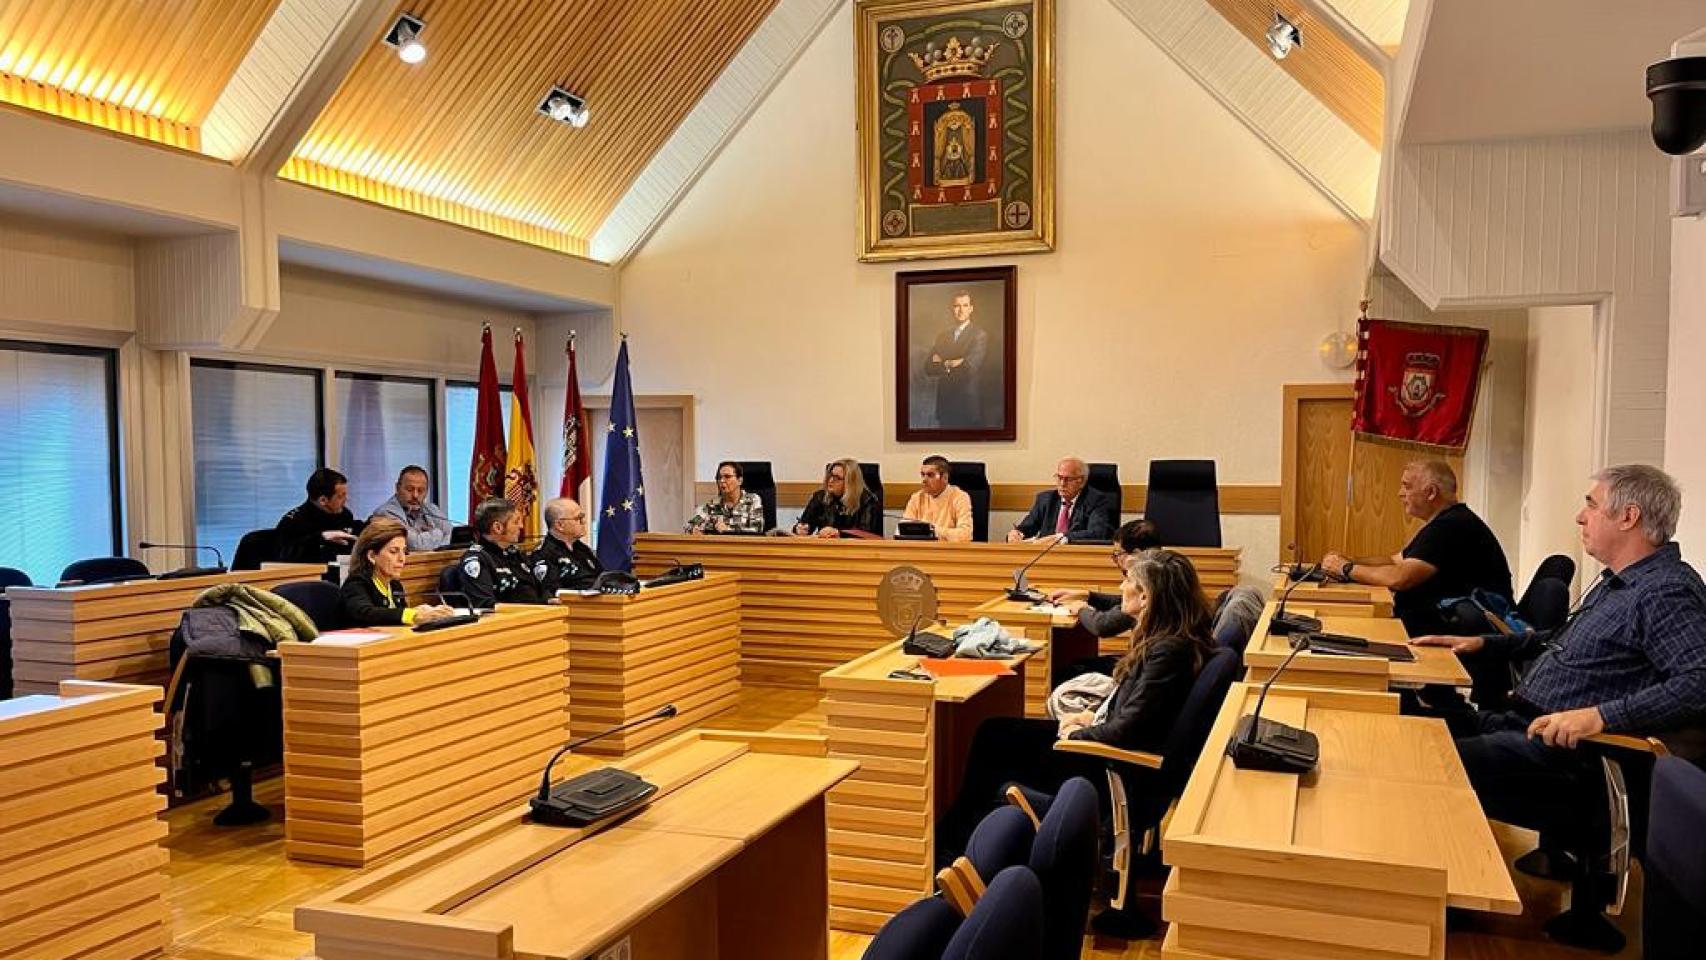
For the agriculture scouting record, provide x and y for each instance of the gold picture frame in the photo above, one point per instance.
(956, 127)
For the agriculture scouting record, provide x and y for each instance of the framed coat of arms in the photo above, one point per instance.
(956, 127)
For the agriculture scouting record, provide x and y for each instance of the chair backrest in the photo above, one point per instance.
(450, 582)
(919, 932)
(1559, 566)
(1673, 909)
(1106, 478)
(970, 476)
(104, 569)
(1066, 858)
(255, 548)
(1190, 728)
(756, 477)
(1545, 604)
(1006, 924)
(873, 475)
(9, 577)
(1184, 502)
(318, 599)
(1000, 840)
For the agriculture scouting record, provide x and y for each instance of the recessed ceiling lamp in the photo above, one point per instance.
(1282, 36)
(405, 35)
(565, 107)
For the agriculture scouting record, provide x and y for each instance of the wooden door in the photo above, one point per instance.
(1375, 522)
(1316, 460)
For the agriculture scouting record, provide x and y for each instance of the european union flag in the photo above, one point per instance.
(623, 497)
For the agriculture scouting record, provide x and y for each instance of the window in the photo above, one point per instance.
(388, 423)
(460, 399)
(59, 473)
(257, 438)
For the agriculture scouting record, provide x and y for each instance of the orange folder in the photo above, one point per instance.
(958, 667)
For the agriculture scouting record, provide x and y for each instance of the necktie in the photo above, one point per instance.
(1065, 518)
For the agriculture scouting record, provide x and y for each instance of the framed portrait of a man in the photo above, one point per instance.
(955, 366)
(956, 127)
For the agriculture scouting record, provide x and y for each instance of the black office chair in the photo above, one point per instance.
(970, 476)
(255, 548)
(757, 478)
(1184, 502)
(1106, 478)
(1006, 924)
(1546, 602)
(9, 577)
(318, 599)
(1558, 566)
(873, 475)
(104, 570)
(450, 586)
(1673, 909)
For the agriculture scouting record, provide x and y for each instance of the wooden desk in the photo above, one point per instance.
(119, 632)
(911, 739)
(1337, 599)
(420, 574)
(82, 869)
(392, 740)
(809, 605)
(1063, 643)
(631, 655)
(1267, 651)
(727, 862)
(1358, 859)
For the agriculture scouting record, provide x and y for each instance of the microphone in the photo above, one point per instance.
(595, 796)
(906, 529)
(189, 571)
(1283, 623)
(678, 572)
(1022, 591)
(1258, 744)
(467, 604)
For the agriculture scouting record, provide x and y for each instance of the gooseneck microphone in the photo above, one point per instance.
(599, 795)
(1258, 744)
(189, 571)
(1282, 623)
(1022, 591)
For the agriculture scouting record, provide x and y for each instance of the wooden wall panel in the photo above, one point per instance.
(82, 866)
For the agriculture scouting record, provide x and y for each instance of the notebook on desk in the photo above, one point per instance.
(1345, 645)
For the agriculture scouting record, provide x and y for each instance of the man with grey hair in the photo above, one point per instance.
(563, 561)
(1631, 659)
(425, 526)
(1070, 510)
(1454, 553)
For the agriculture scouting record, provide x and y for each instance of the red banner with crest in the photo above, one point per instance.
(1417, 382)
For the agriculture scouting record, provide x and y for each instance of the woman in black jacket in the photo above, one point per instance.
(842, 503)
(1171, 640)
(371, 594)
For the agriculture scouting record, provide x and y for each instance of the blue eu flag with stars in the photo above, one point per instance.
(622, 500)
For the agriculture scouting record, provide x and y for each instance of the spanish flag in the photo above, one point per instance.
(521, 479)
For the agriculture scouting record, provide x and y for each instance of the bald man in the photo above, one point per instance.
(562, 561)
(1071, 510)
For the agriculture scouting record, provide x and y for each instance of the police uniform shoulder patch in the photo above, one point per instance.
(539, 570)
(471, 566)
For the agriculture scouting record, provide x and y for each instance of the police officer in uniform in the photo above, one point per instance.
(492, 570)
(562, 561)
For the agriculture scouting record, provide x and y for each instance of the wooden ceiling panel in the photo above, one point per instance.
(151, 69)
(1327, 64)
(458, 137)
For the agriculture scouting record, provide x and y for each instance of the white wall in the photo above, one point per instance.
(1685, 399)
(1195, 274)
(1558, 455)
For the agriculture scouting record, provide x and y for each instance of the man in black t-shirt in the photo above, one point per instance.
(1452, 555)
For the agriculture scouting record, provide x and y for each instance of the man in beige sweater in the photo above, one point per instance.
(944, 506)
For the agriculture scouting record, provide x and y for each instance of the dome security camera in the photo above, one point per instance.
(1677, 87)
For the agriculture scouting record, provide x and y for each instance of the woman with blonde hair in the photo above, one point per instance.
(842, 503)
(372, 595)
(1169, 644)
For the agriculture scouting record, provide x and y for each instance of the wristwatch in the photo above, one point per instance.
(1345, 571)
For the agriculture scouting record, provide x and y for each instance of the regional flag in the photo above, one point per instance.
(622, 501)
(486, 469)
(577, 455)
(521, 480)
(1417, 382)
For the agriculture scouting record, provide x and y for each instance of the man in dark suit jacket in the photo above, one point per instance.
(956, 364)
(1088, 514)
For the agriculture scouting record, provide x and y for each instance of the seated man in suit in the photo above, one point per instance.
(563, 561)
(1452, 555)
(1070, 510)
(939, 503)
(320, 528)
(425, 525)
(1632, 659)
(492, 570)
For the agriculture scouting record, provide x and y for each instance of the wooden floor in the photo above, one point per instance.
(233, 891)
